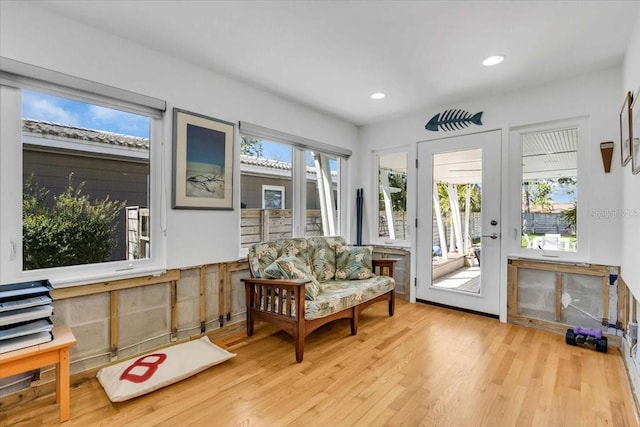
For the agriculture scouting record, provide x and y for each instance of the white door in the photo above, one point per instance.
(458, 234)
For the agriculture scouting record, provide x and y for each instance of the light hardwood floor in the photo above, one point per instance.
(425, 366)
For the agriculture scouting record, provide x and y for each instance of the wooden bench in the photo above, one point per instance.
(34, 357)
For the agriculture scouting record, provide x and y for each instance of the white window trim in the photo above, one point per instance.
(278, 188)
(375, 239)
(11, 172)
(299, 146)
(584, 204)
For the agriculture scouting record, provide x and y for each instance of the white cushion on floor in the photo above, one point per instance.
(159, 368)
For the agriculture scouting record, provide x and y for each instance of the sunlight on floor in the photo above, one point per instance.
(465, 279)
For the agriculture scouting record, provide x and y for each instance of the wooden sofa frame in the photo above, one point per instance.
(261, 295)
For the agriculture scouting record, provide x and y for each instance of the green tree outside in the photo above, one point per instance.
(251, 147)
(72, 230)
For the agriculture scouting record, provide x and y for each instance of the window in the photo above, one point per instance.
(391, 204)
(290, 186)
(266, 190)
(322, 179)
(551, 221)
(85, 172)
(84, 203)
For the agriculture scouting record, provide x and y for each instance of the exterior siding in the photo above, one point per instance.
(119, 179)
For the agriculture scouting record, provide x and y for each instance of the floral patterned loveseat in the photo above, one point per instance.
(300, 284)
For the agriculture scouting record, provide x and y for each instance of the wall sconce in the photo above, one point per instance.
(606, 149)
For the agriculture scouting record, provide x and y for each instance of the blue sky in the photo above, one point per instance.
(275, 151)
(40, 106)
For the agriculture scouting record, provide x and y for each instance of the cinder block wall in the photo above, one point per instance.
(143, 320)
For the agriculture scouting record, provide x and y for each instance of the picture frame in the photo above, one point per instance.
(634, 135)
(202, 162)
(273, 197)
(625, 129)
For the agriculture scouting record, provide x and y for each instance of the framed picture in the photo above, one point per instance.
(634, 135)
(272, 197)
(625, 129)
(202, 162)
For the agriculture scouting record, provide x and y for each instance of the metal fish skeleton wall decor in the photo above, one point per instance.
(453, 120)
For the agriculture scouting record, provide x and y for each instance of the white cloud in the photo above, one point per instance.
(44, 109)
(119, 121)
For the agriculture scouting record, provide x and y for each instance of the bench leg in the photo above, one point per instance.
(392, 303)
(249, 296)
(354, 320)
(249, 325)
(299, 347)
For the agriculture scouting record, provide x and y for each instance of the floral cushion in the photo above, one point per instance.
(354, 262)
(322, 256)
(290, 267)
(336, 295)
(261, 255)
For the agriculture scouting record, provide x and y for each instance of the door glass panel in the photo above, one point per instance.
(550, 190)
(457, 196)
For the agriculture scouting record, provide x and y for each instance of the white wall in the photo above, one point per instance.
(595, 95)
(35, 36)
(631, 183)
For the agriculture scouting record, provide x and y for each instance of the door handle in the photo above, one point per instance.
(492, 235)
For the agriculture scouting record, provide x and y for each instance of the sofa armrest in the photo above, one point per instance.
(276, 296)
(386, 266)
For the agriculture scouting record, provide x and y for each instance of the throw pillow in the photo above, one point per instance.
(354, 262)
(290, 267)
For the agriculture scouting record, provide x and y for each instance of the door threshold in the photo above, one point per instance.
(453, 307)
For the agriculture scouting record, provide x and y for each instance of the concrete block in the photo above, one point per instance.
(93, 338)
(128, 301)
(238, 294)
(189, 284)
(81, 365)
(211, 291)
(155, 296)
(188, 314)
(62, 311)
(90, 308)
(143, 325)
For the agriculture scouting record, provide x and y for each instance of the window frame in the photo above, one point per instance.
(11, 255)
(374, 226)
(299, 147)
(582, 179)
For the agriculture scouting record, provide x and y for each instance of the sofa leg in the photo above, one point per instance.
(249, 299)
(299, 348)
(249, 326)
(392, 303)
(354, 321)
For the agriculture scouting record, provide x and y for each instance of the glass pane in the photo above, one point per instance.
(86, 183)
(266, 185)
(392, 193)
(550, 190)
(322, 180)
(457, 196)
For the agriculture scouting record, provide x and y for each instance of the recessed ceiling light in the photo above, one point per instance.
(493, 60)
(378, 95)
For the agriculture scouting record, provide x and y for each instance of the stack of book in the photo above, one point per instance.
(25, 315)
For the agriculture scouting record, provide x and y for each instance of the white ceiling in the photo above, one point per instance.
(333, 54)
